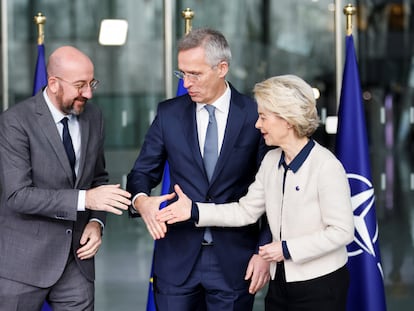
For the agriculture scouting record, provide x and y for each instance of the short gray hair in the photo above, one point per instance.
(214, 43)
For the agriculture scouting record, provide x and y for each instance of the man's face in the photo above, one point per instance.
(71, 84)
(71, 97)
(203, 82)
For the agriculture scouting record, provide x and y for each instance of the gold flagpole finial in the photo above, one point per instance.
(188, 15)
(40, 21)
(349, 10)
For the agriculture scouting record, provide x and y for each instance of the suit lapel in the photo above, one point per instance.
(235, 121)
(50, 132)
(191, 133)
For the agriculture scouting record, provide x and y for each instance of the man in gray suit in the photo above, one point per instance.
(54, 195)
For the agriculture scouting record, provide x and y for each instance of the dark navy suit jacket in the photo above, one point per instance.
(173, 137)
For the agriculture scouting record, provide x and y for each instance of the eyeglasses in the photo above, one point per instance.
(193, 77)
(190, 76)
(82, 86)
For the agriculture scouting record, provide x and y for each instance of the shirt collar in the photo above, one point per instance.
(56, 113)
(299, 159)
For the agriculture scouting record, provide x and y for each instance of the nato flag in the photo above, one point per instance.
(366, 292)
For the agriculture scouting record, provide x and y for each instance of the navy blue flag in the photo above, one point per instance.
(181, 90)
(366, 292)
(40, 80)
(165, 186)
(40, 77)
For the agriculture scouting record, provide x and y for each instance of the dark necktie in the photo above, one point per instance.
(67, 143)
(210, 154)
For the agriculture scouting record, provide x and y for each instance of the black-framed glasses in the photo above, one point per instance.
(82, 86)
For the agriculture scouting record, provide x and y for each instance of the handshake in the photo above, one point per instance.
(155, 219)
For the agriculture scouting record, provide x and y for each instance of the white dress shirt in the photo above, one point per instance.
(222, 105)
(75, 134)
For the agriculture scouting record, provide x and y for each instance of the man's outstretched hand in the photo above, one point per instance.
(178, 211)
(108, 198)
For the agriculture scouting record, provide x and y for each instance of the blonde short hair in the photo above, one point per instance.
(292, 99)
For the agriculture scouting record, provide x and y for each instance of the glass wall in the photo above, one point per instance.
(267, 37)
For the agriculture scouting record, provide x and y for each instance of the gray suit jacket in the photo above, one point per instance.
(39, 222)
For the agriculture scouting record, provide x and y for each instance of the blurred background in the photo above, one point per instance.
(267, 38)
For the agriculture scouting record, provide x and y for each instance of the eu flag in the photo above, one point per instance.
(40, 80)
(165, 186)
(40, 77)
(366, 292)
(181, 90)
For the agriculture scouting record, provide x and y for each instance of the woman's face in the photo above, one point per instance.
(274, 129)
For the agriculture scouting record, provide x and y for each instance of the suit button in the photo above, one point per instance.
(209, 199)
(68, 231)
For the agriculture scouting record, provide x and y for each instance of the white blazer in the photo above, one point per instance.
(314, 215)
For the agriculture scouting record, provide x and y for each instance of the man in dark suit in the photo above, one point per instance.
(194, 267)
(53, 201)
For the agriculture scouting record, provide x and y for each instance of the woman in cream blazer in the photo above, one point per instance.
(304, 191)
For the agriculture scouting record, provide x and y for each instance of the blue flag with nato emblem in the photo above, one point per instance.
(366, 291)
(181, 90)
(40, 76)
(40, 80)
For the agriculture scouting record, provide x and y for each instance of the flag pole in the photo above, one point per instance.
(349, 11)
(4, 53)
(40, 21)
(366, 288)
(40, 76)
(188, 15)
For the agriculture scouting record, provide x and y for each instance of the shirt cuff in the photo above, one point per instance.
(285, 250)
(100, 222)
(133, 210)
(195, 216)
(81, 201)
(136, 196)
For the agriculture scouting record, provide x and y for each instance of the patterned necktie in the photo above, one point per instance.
(211, 142)
(67, 143)
(210, 154)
